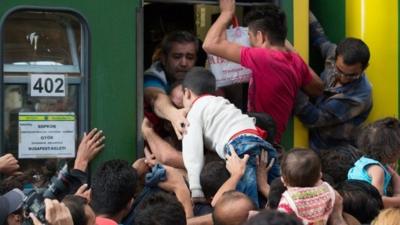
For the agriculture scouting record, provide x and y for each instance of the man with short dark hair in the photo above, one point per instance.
(161, 209)
(232, 208)
(113, 187)
(178, 55)
(277, 72)
(347, 98)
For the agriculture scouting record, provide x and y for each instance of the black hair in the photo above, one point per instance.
(200, 81)
(301, 168)
(160, 209)
(271, 21)
(76, 206)
(178, 37)
(276, 189)
(265, 122)
(230, 199)
(360, 199)
(337, 161)
(380, 140)
(212, 177)
(353, 51)
(113, 187)
(272, 217)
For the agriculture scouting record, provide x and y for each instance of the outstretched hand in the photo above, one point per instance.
(141, 166)
(262, 160)
(8, 164)
(180, 123)
(90, 146)
(236, 165)
(262, 172)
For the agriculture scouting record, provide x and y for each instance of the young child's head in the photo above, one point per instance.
(380, 140)
(337, 161)
(198, 81)
(301, 168)
(267, 24)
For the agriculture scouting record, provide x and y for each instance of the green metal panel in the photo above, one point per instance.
(331, 15)
(112, 79)
(287, 5)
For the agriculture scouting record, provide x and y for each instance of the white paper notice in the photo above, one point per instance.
(46, 135)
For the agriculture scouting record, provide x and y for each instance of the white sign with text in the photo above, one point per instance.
(46, 135)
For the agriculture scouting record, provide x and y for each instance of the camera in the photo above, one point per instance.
(58, 188)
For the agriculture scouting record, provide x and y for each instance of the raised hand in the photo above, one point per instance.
(236, 165)
(90, 146)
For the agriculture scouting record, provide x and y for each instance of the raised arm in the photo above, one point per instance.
(215, 41)
(164, 152)
(236, 167)
(175, 183)
(90, 146)
(330, 112)
(316, 86)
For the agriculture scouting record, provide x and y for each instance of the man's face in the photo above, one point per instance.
(347, 73)
(180, 59)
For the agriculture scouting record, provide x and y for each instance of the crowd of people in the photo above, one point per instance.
(207, 162)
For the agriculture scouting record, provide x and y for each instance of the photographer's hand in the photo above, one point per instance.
(56, 214)
(89, 147)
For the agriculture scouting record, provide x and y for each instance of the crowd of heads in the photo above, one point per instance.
(115, 192)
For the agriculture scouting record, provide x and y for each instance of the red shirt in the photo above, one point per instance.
(276, 78)
(105, 221)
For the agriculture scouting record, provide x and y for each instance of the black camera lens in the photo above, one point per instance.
(59, 187)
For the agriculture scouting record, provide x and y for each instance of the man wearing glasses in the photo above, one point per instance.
(347, 98)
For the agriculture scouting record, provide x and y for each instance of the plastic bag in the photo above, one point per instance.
(227, 72)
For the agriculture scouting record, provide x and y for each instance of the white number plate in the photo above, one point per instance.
(50, 85)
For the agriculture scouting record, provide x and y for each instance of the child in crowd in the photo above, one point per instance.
(307, 195)
(380, 143)
(219, 126)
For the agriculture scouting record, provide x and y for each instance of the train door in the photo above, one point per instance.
(44, 85)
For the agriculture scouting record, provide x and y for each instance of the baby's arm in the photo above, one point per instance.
(394, 201)
(377, 175)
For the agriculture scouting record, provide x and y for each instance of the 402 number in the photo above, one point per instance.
(45, 85)
(49, 84)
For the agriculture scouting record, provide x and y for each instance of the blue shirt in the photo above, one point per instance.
(155, 77)
(360, 171)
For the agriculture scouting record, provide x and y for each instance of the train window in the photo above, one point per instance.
(44, 84)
